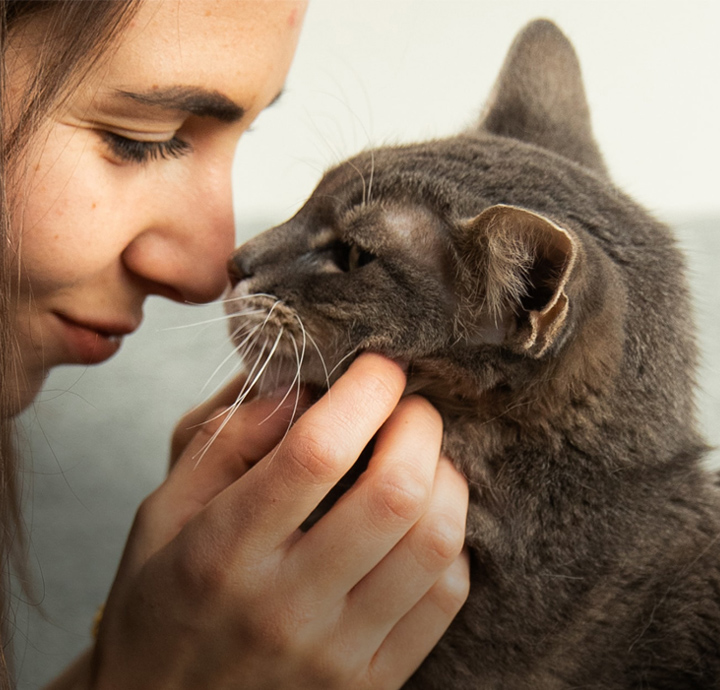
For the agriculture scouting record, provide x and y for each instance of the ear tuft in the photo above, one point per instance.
(522, 262)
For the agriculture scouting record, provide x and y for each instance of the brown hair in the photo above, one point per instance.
(74, 35)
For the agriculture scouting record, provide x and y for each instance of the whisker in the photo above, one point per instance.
(352, 112)
(334, 369)
(244, 390)
(243, 297)
(250, 380)
(244, 347)
(225, 317)
(305, 335)
(248, 334)
(270, 311)
(224, 300)
(348, 355)
(240, 350)
(246, 312)
(362, 178)
(263, 367)
(249, 385)
(232, 354)
(298, 374)
(298, 359)
(245, 330)
(321, 137)
(296, 380)
(322, 359)
(372, 173)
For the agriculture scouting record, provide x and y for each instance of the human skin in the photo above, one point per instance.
(128, 196)
(102, 228)
(218, 568)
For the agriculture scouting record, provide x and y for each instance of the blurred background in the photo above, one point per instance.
(367, 72)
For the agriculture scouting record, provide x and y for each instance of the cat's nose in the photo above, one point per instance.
(238, 267)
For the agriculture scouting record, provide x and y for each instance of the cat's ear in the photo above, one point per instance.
(539, 97)
(521, 263)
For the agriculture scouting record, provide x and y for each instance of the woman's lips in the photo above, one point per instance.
(91, 343)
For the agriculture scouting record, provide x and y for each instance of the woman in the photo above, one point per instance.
(119, 123)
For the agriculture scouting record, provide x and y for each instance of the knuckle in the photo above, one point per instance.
(213, 425)
(182, 428)
(423, 412)
(377, 678)
(201, 578)
(337, 665)
(148, 511)
(189, 424)
(313, 456)
(202, 433)
(265, 623)
(440, 540)
(279, 630)
(452, 590)
(275, 636)
(326, 672)
(181, 435)
(381, 391)
(203, 569)
(400, 495)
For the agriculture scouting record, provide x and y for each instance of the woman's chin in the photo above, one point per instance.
(29, 378)
(28, 388)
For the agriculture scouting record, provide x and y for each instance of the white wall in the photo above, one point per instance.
(370, 71)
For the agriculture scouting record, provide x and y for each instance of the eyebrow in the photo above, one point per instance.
(190, 99)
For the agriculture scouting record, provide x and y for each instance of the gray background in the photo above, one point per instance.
(95, 441)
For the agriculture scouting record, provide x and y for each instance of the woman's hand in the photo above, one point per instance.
(218, 588)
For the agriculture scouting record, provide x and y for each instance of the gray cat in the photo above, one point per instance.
(546, 316)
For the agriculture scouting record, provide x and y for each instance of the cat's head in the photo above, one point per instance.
(482, 259)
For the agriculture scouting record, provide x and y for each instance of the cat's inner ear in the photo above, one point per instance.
(522, 262)
(539, 97)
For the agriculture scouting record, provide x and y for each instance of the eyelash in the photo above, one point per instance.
(135, 151)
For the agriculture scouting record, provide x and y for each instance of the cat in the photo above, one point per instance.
(546, 316)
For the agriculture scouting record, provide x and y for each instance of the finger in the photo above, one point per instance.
(235, 438)
(411, 569)
(415, 635)
(221, 451)
(187, 426)
(379, 509)
(278, 494)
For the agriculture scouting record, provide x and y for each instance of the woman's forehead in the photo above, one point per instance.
(239, 49)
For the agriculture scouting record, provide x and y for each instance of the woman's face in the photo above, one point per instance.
(127, 189)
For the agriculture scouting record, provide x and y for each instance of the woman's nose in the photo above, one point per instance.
(182, 251)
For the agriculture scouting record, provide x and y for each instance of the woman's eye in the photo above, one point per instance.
(137, 151)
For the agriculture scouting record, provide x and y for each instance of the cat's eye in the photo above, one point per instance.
(357, 258)
(350, 257)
